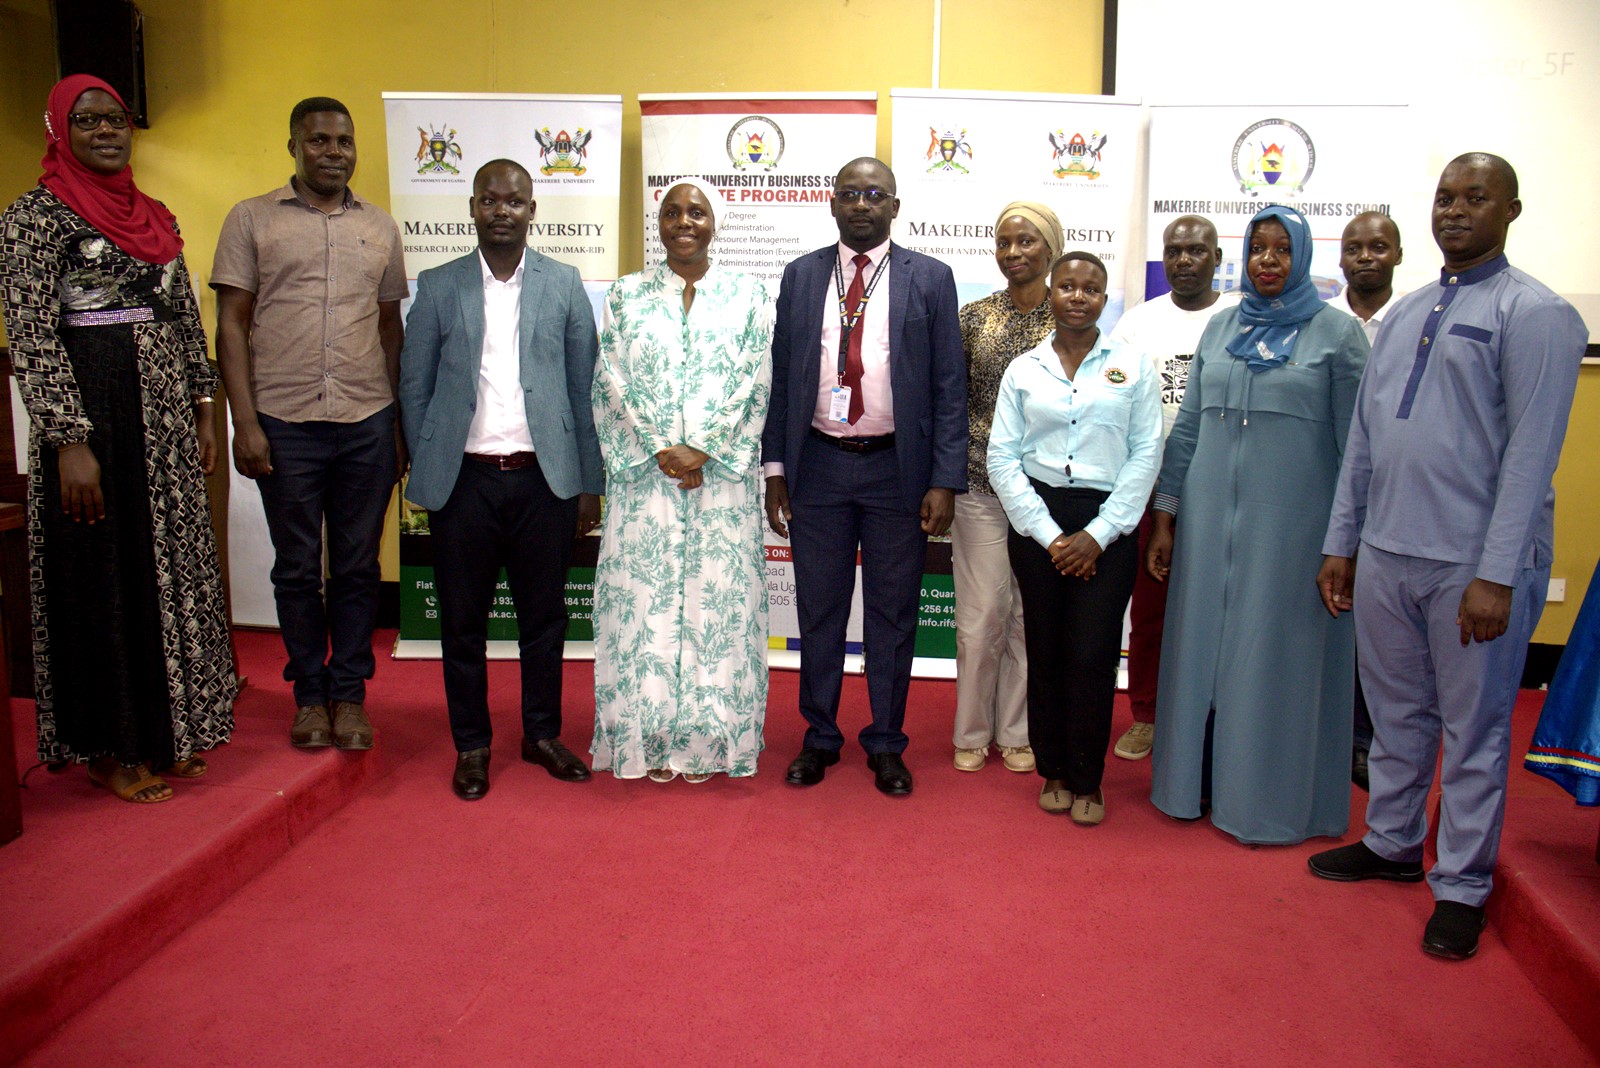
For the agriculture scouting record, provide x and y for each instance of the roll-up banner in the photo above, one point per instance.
(959, 158)
(1228, 162)
(572, 146)
(774, 156)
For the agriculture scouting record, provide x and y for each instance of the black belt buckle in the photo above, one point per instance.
(515, 461)
(856, 446)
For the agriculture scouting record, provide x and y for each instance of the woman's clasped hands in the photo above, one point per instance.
(684, 463)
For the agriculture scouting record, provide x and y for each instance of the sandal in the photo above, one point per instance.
(697, 777)
(661, 775)
(192, 768)
(129, 783)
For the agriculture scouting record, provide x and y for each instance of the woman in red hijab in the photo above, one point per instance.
(133, 672)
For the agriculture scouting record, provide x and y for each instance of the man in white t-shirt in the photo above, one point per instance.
(1369, 252)
(1168, 328)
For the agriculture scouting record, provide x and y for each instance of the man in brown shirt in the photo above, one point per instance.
(309, 280)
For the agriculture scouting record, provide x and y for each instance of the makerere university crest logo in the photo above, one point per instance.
(437, 150)
(755, 141)
(1275, 157)
(563, 153)
(1077, 156)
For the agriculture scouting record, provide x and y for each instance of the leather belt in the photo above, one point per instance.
(511, 461)
(856, 445)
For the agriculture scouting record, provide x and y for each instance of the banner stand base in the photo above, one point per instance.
(416, 649)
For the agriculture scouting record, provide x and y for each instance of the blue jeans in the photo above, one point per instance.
(339, 475)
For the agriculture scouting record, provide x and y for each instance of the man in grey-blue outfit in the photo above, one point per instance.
(1446, 488)
(495, 381)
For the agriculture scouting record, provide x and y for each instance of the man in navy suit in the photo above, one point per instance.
(495, 377)
(865, 447)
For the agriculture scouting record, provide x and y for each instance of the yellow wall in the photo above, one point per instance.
(1577, 505)
(223, 74)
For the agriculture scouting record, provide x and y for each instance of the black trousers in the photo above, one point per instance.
(1074, 636)
(497, 519)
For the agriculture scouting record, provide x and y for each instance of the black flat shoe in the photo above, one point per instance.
(1452, 932)
(1355, 862)
(891, 775)
(471, 780)
(808, 768)
(561, 762)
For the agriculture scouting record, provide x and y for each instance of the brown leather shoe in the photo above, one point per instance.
(555, 758)
(311, 729)
(471, 778)
(350, 727)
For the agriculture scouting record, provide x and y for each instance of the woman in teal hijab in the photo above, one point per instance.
(1253, 706)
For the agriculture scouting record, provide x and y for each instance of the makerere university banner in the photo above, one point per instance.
(774, 156)
(572, 147)
(1227, 163)
(960, 157)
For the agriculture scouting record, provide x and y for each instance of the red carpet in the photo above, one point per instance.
(624, 922)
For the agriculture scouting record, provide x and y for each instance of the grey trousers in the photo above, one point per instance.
(1423, 688)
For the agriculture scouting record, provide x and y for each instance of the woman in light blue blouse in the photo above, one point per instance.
(1073, 455)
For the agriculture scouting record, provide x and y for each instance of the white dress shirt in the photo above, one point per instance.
(500, 422)
(1369, 326)
(877, 397)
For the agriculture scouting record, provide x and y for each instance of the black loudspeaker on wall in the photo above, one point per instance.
(104, 38)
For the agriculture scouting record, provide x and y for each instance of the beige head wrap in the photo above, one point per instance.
(1041, 217)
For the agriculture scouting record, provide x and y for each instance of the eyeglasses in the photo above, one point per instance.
(871, 196)
(91, 120)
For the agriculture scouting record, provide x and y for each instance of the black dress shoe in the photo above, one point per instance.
(1358, 769)
(471, 780)
(557, 759)
(891, 774)
(1354, 862)
(807, 769)
(1452, 932)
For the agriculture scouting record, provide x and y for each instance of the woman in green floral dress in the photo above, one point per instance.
(680, 602)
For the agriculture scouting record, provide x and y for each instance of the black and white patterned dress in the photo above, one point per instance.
(131, 645)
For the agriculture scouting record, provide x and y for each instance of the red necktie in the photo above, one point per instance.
(852, 365)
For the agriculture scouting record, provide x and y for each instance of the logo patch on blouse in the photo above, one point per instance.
(1115, 376)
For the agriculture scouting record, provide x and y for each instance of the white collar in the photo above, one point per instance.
(876, 255)
(488, 275)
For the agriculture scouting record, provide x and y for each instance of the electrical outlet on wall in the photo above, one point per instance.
(1558, 590)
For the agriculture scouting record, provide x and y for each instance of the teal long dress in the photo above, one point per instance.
(680, 603)
(1253, 461)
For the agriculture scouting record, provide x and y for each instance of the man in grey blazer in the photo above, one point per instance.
(495, 377)
(865, 448)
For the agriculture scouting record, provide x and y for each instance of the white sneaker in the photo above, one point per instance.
(971, 759)
(1017, 757)
(1135, 744)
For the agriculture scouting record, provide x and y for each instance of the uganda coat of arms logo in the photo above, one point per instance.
(437, 150)
(947, 146)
